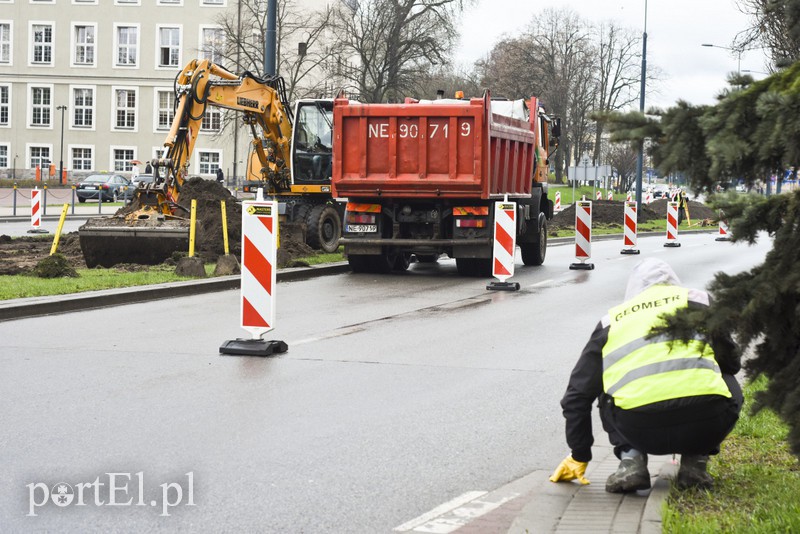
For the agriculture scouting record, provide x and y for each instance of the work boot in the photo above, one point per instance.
(693, 474)
(631, 475)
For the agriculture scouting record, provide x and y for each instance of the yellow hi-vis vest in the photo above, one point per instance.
(639, 371)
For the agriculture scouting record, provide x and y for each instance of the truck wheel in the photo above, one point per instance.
(324, 228)
(477, 267)
(359, 263)
(402, 261)
(427, 258)
(383, 263)
(534, 253)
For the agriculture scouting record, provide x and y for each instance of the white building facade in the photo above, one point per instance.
(107, 68)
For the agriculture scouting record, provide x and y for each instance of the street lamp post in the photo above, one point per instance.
(738, 55)
(640, 156)
(61, 159)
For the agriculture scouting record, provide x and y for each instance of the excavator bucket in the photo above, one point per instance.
(107, 241)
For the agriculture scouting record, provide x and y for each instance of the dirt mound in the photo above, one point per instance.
(610, 213)
(21, 255)
(604, 213)
(209, 195)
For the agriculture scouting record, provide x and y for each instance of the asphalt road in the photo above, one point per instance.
(398, 393)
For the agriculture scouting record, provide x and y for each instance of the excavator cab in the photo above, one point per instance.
(312, 143)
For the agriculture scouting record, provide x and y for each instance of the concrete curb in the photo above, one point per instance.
(35, 306)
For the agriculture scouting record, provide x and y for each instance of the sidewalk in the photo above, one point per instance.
(534, 505)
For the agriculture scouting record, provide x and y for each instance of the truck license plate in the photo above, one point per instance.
(90, 188)
(362, 228)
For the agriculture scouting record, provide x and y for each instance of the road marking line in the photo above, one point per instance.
(542, 283)
(439, 510)
(462, 515)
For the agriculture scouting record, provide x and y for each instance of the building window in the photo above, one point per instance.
(212, 45)
(170, 2)
(41, 106)
(38, 156)
(5, 105)
(125, 109)
(83, 107)
(81, 158)
(84, 44)
(127, 46)
(212, 120)
(213, 2)
(121, 159)
(42, 44)
(5, 43)
(4, 156)
(84, 2)
(165, 112)
(169, 47)
(127, 2)
(209, 162)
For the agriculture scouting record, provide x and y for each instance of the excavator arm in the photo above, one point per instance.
(201, 84)
(155, 225)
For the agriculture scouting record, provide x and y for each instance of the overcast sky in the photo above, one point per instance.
(675, 31)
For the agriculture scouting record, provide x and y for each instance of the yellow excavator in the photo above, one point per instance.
(290, 160)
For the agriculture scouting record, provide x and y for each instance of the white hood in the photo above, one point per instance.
(649, 272)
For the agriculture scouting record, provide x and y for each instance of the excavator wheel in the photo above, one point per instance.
(324, 228)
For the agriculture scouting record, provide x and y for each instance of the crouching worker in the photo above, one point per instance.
(655, 397)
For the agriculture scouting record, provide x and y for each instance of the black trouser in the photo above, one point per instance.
(697, 429)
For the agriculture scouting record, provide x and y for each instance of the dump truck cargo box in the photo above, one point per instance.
(428, 150)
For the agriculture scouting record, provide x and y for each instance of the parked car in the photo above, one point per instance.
(660, 191)
(104, 187)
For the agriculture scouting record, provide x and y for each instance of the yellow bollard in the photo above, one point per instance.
(191, 228)
(58, 230)
(224, 226)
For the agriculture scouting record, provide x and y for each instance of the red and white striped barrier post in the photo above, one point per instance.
(648, 198)
(723, 229)
(628, 197)
(583, 235)
(505, 245)
(557, 206)
(259, 255)
(598, 195)
(610, 195)
(36, 212)
(630, 230)
(672, 225)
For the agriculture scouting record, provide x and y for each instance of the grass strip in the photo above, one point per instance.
(757, 482)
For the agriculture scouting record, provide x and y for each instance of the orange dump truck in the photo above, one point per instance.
(421, 178)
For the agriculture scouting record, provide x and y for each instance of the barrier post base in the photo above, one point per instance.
(253, 347)
(672, 244)
(582, 266)
(723, 239)
(503, 286)
(629, 251)
(38, 231)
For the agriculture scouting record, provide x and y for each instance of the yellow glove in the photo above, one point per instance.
(570, 469)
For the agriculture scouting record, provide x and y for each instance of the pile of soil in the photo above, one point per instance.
(611, 213)
(22, 254)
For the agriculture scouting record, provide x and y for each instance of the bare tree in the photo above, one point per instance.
(618, 74)
(245, 28)
(387, 46)
(622, 157)
(774, 25)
